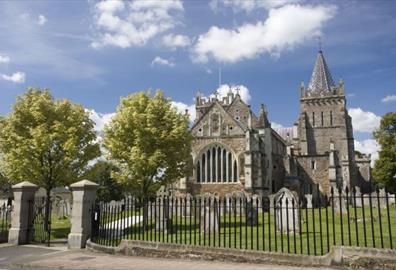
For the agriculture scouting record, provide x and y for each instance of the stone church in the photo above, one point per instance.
(236, 150)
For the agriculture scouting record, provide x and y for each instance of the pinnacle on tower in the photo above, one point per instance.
(321, 79)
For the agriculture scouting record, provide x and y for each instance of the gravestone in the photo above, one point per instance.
(68, 207)
(391, 198)
(286, 215)
(162, 222)
(61, 209)
(339, 202)
(189, 209)
(358, 196)
(271, 199)
(251, 211)
(229, 203)
(308, 198)
(239, 203)
(382, 198)
(209, 214)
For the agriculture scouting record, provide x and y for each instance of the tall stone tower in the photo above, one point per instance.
(323, 141)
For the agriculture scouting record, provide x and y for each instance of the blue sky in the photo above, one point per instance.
(94, 52)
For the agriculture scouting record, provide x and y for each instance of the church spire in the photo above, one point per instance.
(321, 79)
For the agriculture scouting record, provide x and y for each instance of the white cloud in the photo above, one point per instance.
(17, 77)
(100, 119)
(248, 5)
(241, 89)
(176, 41)
(364, 121)
(389, 98)
(182, 107)
(162, 62)
(285, 28)
(4, 58)
(41, 19)
(134, 23)
(368, 146)
(276, 125)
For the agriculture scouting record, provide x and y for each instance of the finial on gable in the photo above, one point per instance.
(237, 90)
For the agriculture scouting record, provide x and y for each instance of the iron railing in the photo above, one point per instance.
(5, 221)
(268, 224)
(40, 220)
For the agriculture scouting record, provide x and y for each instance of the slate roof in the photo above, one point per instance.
(321, 79)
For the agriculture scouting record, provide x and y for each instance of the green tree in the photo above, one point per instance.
(48, 142)
(5, 187)
(109, 189)
(149, 141)
(385, 166)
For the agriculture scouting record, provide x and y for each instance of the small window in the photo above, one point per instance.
(230, 128)
(313, 165)
(313, 119)
(331, 118)
(200, 129)
(321, 116)
(237, 118)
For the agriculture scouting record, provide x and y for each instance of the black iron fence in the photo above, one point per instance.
(281, 223)
(40, 220)
(5, 221)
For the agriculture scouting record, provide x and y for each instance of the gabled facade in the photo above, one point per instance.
(233, 149)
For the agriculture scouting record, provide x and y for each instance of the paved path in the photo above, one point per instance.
(124, 223)
(9, 254)
(82, 260)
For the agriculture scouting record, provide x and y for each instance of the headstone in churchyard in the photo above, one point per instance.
(391, 198)
(239, 203)
(209, 214)
(358, 197)
(68, 207)
(229, 203)
(271, 198)
(189, 201)
(286, 215)
(251, 212)
(308, 198)
(62, 209)
(382, 198)
(339, 202)
(162, 222)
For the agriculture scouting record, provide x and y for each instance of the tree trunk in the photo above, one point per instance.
(47, 215)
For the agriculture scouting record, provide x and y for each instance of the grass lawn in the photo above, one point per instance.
(316, 232)
(60, 228)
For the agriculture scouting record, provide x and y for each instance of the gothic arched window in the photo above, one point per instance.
(217, 164)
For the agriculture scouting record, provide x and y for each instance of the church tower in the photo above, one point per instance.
(324, 143)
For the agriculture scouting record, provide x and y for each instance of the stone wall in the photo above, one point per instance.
(218, 189)
(311, 173)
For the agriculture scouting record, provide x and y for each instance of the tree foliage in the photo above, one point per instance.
(109, 189)
(149, 141)
(48, 142)
(5, 187)
(385, 167)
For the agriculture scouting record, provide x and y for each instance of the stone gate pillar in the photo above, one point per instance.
(20, 225)
(84, 195)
